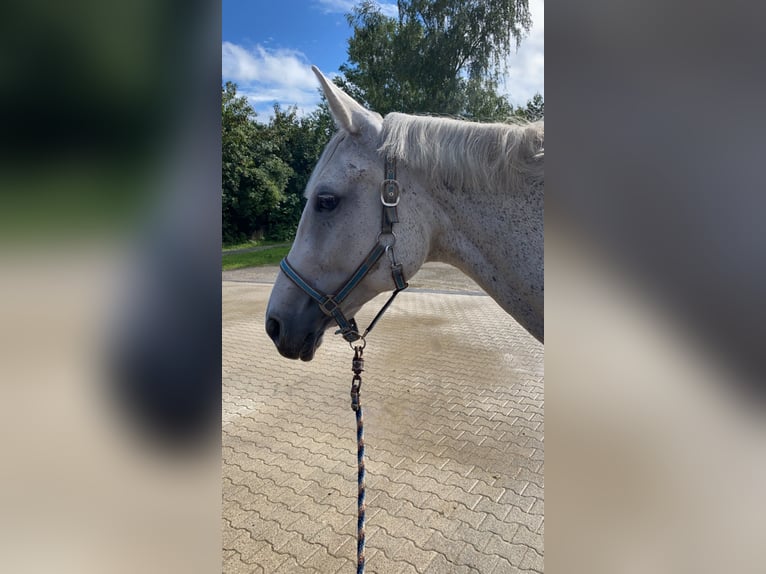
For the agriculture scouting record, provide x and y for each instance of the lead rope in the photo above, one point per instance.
(357, 366)
(330, 305)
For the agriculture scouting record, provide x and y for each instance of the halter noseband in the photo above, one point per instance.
(330, 304)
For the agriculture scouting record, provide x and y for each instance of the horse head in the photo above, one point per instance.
(340, 230)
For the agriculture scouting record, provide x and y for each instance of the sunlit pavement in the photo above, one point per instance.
(453, 409)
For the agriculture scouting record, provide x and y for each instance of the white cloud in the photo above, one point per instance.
(526, 67)
(267, 76)
(390, 10)
(284, 67)
(345, 6)
(336, 6)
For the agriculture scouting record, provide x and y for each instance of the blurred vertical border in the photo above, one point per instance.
(110, 305)
(656, 273)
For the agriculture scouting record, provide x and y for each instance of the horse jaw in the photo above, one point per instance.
(348, 114)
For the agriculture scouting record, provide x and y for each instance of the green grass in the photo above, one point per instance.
(251, 243)
(254, 258)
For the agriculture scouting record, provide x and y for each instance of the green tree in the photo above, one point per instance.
(253, 176)
(534, 111)
(265, 167)
(299, 142)
(443, 57)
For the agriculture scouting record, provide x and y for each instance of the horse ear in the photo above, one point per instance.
(349, 115)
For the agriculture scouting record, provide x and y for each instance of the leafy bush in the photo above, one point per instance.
(265, 167)
(283, 221)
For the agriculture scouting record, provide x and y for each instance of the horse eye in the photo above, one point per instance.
(326, 202)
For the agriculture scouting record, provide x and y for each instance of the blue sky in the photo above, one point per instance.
(268, 49)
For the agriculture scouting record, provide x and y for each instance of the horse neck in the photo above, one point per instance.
(496, 238)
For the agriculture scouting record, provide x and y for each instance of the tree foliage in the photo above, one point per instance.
(534, 110)
(444, 57)
(253, 177)
(265, 167)
(299, 142)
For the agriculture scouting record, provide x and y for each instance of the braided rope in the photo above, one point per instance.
(360, 498)
(357, 366)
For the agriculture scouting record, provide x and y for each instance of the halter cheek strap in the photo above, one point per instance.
(330, 304)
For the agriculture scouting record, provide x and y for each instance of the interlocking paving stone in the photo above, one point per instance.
(453, 398)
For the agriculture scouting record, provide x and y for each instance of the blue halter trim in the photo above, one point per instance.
(330, 304)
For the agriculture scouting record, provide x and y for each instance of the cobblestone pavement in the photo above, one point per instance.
(453, 398)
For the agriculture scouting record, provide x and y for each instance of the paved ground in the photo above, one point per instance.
(453, 397)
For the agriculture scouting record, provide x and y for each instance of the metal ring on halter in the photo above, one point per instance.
(353, 346)
(391, 233)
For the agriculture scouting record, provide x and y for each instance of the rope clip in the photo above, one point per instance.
(357, 366)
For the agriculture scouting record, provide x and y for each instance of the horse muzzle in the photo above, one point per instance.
(293, 338)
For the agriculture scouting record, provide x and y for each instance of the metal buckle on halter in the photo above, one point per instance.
(389, 193)
(328, 310)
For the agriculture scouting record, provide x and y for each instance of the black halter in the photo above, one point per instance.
(330, 304)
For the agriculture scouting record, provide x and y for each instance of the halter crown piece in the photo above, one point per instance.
(330, 304)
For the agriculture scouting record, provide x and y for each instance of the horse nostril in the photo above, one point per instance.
(272, 329)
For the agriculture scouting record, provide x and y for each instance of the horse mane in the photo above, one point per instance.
(467, 154)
